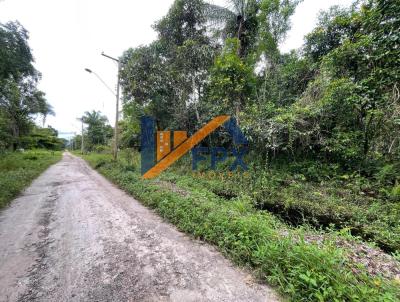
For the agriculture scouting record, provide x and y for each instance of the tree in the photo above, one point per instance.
(185, 21)
(19, 102)
(98, 132)
(15, 54)
(255, 23)
(167, 78)
(361, 69)
(20, 99)
(146, 84)
(260, 27)
(239, 20)
(333, 28)
(232, 82)
(45, 138)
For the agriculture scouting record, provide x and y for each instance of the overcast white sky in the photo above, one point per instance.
(67, 36)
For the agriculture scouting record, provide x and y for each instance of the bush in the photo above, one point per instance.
(396, 192)
(101, 149)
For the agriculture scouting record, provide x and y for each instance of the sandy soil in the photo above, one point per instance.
(73, 236)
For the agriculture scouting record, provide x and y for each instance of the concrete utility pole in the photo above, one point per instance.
(82, 148)
(115, 151)
(116, 106)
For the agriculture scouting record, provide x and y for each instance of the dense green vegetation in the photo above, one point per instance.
(302, 268)
(335, 100)
(18, 169)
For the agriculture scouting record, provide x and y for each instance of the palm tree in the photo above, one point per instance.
(94, 118)
(96, 126)
(251, 21)
(238, 19)
(41, 106)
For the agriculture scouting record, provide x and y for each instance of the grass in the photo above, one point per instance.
(18, 169)
(278, 253)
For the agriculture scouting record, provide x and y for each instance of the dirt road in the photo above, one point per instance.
(73, 236)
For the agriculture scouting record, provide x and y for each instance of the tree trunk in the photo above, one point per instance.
(15, 131)
(239, 35)
(366, 144)
(195, 100)
(237, 112)
(240, 54)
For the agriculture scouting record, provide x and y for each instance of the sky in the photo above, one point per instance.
(67, 36)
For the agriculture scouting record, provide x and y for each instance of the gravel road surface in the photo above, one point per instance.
(73, 236)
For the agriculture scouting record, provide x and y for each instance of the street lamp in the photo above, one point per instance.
(101, 80)
(115, 153)
(117, 105)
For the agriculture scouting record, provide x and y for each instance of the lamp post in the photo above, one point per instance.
(82, 148)
(115, 151)
(117, 105)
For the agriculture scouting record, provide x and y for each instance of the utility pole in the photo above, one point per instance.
(117, 115)
(117, 106)
(82, 136)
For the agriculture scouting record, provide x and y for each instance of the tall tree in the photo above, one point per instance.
(15, 54)
(168, 76)
(260, 26)
(20, 99)
(360, 77)
(255, 23)
(231, 83)
(238, 20)
(19, 102)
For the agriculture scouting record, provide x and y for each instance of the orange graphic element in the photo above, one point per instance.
(179, 137)
(163, 144)
(186, 146)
